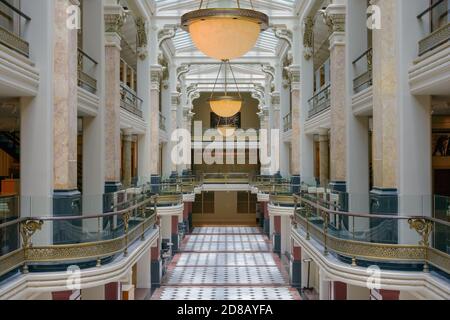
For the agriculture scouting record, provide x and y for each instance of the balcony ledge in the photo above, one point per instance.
(18, 75)
(430, 74)
(362, 103)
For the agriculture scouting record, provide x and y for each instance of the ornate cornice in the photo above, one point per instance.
(114, 23)
(308, 38)
(275, 99)
(142, 37)
(156, 72)
(168, 32)
(281, 32)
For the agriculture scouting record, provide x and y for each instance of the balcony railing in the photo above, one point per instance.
(287, 122)
(319, 102)
(440, 30)
(363, 69)
(162, 122)
(374, 238)
(130, 101)
(87, 239)
(86, 71)
(11, 37)
(225, 178)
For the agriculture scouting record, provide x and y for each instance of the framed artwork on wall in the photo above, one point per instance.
(233, 121)
(441, 144)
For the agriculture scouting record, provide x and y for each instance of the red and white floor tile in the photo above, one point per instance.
(226, 263)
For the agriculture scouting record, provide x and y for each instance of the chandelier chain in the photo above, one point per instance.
(235, 82)
(215, 83)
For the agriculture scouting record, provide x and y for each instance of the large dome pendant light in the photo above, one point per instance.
(224, 33)
(225, 106)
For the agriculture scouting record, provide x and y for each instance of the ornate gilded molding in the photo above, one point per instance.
(423, 228)
(27, 229)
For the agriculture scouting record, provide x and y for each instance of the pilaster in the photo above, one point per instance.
(156, 72)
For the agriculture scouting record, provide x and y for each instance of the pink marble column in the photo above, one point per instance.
(295, 98)
(155, 87)
(338, 144)
(113, 25)
(65, 86)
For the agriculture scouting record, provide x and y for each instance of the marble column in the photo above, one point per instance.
(276, 122)
(294, 75)
(113, 24)
(294, 72)
(324, 157)
(335, 17)
(66, 197)
(264, 127)
(383, 197)
(155, 87)
(127, 170)
(174, 105)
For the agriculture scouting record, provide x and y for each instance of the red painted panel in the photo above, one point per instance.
(390, 294)
(155, 253)
(61, 295)
(112, 291)
(340, 290)
(174, 224)
(297, 253)
(277, 224)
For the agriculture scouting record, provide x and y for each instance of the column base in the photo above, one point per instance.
(277, 244)
(66, 203)
(295, 182)
(175, 241)
(384, 202)
(156, 273)
(108, 198)
(296, 274)
(266, 226)
(155, 182)
(341, 187)
(113, 186)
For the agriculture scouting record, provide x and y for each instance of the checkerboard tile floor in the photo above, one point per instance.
(226, 263)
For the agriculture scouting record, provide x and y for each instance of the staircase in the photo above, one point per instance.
(10, 143)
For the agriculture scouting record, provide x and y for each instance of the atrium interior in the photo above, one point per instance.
(224, 150)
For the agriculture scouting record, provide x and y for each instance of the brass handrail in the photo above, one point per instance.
(420, 252)
(28, 253)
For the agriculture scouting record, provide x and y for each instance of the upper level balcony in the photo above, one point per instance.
(430, 73)
(19, 77)
(287, 123)
(128, 82)
(362, 100)
(320, 102)
(12, 23)
(86, 72)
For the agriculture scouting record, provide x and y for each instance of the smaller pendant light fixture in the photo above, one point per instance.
(225, 106)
